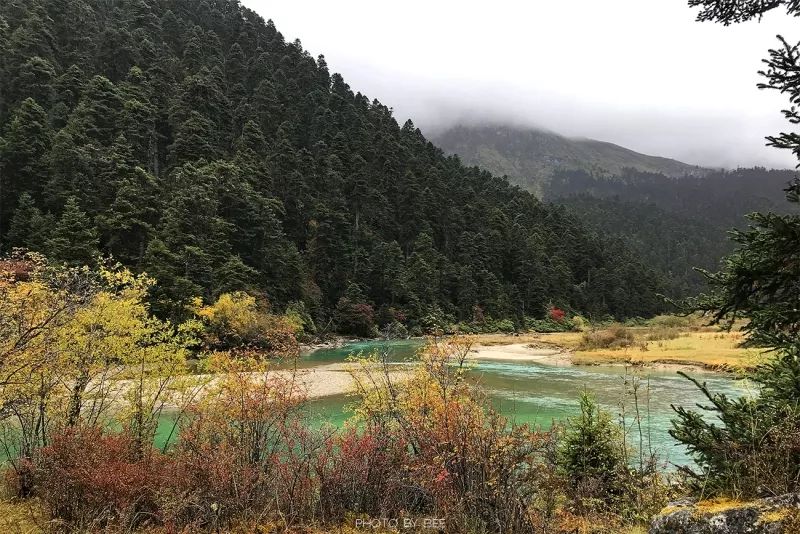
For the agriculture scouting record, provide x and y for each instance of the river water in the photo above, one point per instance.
(539, 394)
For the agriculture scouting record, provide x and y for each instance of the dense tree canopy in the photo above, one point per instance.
(190, 141)
(674, 224)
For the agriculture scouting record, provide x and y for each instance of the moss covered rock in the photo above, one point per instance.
(776, 515)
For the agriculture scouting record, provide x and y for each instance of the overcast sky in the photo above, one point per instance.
(640, 73)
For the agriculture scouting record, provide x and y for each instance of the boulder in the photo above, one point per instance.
(775, 515)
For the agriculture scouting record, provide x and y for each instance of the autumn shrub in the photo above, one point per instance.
(246, 449)
(616, 337)
(239, 321)
(362, 471)
(579, 323)
(556, 314)
(463, 460)
(208, 485)
(89, 480)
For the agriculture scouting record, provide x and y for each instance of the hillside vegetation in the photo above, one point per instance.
(530, 157)
(675, 217)
(190, 141)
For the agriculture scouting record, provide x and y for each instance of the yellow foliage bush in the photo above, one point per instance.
(238, 321)
(78, 346)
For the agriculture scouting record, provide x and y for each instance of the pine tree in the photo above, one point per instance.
(35, 80)
(128, 223)
(29, 228)
(207, 149)
(139, 119)
(193, 231)
(23, 163)
(194, 140)
(67, 90)
(73, 239)
(753, 447)
(96, 119)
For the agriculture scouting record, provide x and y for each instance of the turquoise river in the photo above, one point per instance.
(539, 394)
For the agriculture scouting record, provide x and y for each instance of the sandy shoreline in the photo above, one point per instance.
(521, 352)
(333, 379)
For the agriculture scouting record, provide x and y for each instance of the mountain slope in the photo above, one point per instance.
(529, 157)
(189, 140)
(670, 242)
(675, 224)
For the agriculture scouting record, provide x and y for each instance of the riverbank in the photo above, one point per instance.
(333, 379)
(680, 350)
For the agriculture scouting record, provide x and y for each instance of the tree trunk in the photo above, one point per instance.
(75, 402)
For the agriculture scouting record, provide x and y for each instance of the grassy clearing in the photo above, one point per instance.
(714, 350)
(490, 340)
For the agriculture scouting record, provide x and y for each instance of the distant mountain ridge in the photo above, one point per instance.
(530, 157)
(674, 215)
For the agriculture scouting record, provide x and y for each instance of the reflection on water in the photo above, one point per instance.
(539, 394)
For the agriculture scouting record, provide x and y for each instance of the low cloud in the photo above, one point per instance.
(644, 75)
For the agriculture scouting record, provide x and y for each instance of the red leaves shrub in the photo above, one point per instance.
(207, 485)
(358, 473)
(557, 314)
(246, 453)
(16, 270)
(247, 457)
(89, 479)
(354, 318)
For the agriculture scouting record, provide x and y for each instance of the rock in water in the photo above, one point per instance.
(776, 515)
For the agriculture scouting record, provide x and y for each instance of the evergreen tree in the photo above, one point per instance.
(67, 90)
(23, 163)
(73, 239)
(129, 221)
(29, 227)
(96, 117)
(753, 447)
(593, 452)
(35, 80)
(213, 154)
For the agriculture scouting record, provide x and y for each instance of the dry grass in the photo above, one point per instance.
(20, 517)
(489, 340)
(691, 344)
(710, 350)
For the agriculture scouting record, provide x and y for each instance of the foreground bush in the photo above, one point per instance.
(461, 460)
(87, 480)
(428, 447)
